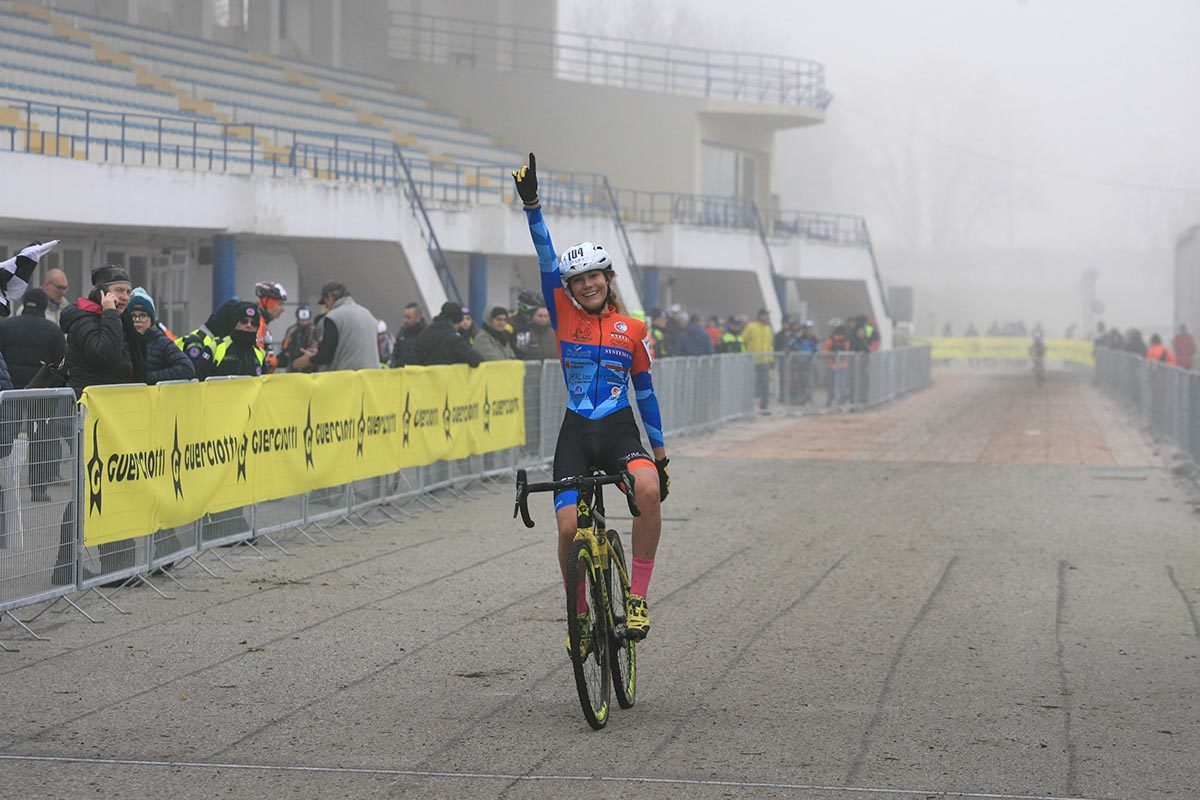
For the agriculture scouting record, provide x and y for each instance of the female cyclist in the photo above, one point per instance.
(602, 350)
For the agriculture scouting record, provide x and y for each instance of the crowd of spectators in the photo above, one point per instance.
(1180, 351)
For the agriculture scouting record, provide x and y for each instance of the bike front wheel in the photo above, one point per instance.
(623, 652)
(588, 635)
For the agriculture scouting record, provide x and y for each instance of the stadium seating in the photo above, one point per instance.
(92, 84)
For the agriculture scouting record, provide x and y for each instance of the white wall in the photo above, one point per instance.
(304, 232)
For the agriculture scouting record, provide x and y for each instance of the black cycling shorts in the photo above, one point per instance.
(609, 443)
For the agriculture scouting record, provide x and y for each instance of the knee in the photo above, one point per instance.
(645, 490)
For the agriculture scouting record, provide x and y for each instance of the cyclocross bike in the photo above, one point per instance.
(601, 654)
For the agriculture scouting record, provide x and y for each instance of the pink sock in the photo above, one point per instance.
(580, 596)
(640, 579)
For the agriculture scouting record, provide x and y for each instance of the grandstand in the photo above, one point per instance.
(204, 164)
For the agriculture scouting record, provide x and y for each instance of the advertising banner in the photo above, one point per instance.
(161, 457)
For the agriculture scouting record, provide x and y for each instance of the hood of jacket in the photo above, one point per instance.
(82, 309)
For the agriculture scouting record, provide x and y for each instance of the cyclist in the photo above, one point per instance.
(271, 297)
(603, 350)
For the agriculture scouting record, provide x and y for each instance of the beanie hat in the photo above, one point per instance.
(220, 323)
(497, 311)
(141, 301)
(451, 312)
(247, 311)
(109, 274)
(35, 302)
(303, 312)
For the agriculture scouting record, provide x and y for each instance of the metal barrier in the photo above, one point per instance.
(42, 552)
(1163, 395)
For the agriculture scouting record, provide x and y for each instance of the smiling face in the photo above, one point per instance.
(590, 289)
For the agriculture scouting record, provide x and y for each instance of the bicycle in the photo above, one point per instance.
(602, 656)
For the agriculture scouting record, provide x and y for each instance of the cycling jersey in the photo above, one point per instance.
(600, 353)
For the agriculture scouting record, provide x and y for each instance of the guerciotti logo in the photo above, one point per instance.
(308, 438)
(177, 464)
(446, 418)
(95, 473)
(406, 420)
(361, 432)
(487, 412)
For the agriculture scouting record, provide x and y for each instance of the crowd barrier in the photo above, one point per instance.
(981, 350)
(55, 453)
(1163, 395)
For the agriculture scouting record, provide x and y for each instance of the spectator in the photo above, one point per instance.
(55, 286)
(731, 340)
(1134, 343)
(26, 343)
(836, 364)
(239, 353)
(101, 350)
(971, 331)
(528, 301)
(300, 337)
(442, 343)
(713, 327)
(658, 332)
(1159, 352)
(29, 340)
(384, 341)
(495, 343)
(761, 341)
(541, 343)
(164, 361)
(348, 335)
(860, 339)
(1185, 347)
(271, 297)
(947, 330)
(412, 325)
(693, 340)
(466, 329)
(200, 345)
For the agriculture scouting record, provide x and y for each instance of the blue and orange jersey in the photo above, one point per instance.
(601, 354)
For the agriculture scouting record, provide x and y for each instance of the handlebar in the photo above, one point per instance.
(624, 482)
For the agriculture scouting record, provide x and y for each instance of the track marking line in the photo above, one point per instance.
(501, 776)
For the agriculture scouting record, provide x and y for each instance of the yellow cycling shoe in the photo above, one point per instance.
(637, 617)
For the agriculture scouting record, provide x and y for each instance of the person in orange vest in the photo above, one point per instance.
(836, 363)
(1159, 351)
(1185, 347)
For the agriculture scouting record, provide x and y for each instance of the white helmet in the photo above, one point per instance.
(583, 257)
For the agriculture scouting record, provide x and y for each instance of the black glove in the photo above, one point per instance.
(664, 478)
(526, 180)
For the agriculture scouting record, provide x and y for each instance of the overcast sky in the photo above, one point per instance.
(1043, 124)
(1087, 100)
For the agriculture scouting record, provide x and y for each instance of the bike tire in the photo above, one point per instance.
(592, 676)
(623, 652)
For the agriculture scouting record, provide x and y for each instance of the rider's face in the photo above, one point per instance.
(590, 289)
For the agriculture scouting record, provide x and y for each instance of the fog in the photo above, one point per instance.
(997, 148)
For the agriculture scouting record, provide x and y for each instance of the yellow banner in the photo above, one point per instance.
(163, 456)
(1007, 348)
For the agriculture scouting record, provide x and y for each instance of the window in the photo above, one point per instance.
(726, 172)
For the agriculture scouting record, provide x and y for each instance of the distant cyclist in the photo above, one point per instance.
(602, 350)
(1037, 352)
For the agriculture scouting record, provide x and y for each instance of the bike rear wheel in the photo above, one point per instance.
(623, 653)
(591, 663)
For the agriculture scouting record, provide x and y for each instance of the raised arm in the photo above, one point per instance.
(527, 186)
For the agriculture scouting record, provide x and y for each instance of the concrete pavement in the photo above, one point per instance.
(929, 600)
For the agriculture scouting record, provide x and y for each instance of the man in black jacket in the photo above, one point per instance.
(27, 342)
(441, 343)
(100, 350)
(414, 325)
(30, 340)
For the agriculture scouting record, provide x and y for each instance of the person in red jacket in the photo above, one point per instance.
(1159, 351)
(1185, 347)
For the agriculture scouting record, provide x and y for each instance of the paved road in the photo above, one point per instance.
(981, 589)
